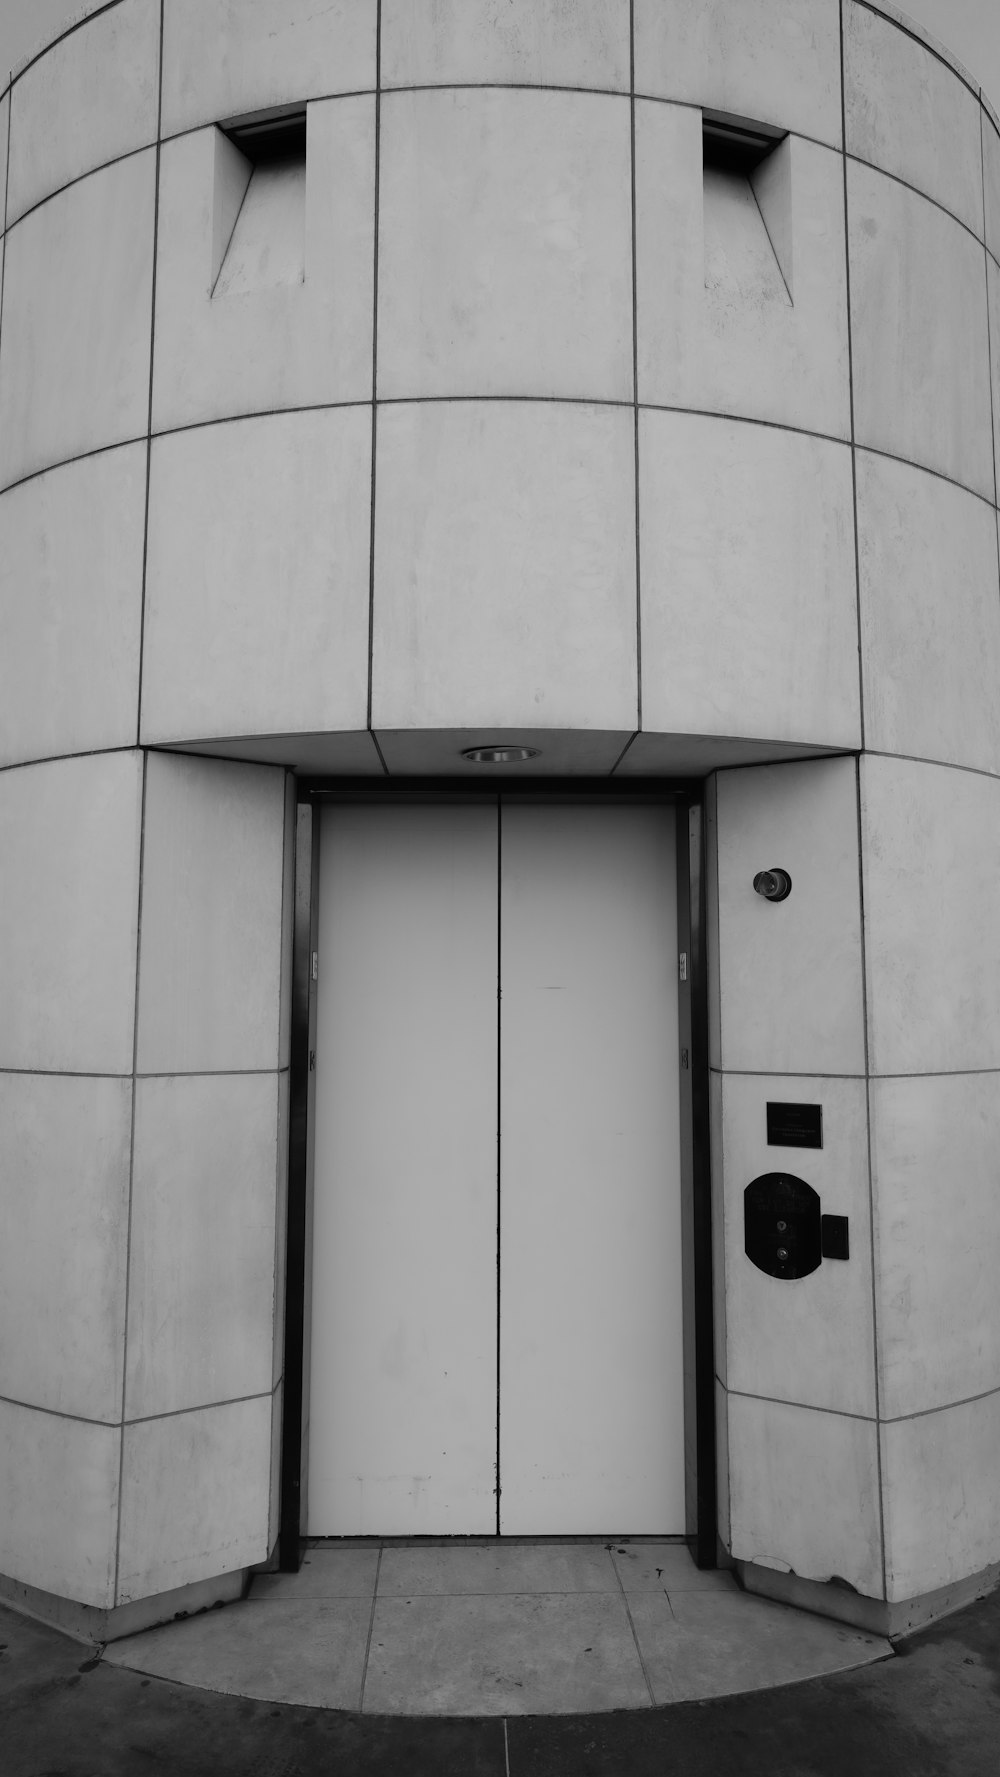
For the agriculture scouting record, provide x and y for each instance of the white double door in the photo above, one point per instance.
(496, 1293)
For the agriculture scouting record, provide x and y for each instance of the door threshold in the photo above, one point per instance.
(486, 1541)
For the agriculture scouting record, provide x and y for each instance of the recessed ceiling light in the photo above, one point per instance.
(499, 755)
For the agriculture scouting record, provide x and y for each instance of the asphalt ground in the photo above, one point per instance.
(932, 1710)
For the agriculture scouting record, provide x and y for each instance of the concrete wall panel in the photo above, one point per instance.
(258, 577)
(274, 1506)
(918, 307)
(202, 1286)
(720, 1264)
(669, 250)
(911, 115)
(722, 1465)
(993, 297)
(535, 42)
(781, 1337)
(721, 324)
(790, 972)
(209, 975)
(5, 126)
(940, 1470)
(505, 566)
(194, 1496)
(92, 97)
(931, 842)
(74, 353)
(59, 1486)
(71, 543)
(930, 615)
(64, 1183)
(991, 183)
(749, 615)
(804, 1492)
(286, 345)
(711, 818)
(935, 1144)
(222, 61)
(69, 872)
(505, 263)
(777, 64)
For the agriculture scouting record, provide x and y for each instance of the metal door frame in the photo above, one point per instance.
(701, 1531)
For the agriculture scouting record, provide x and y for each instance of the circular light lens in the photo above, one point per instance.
(499, 755)
(774, 885)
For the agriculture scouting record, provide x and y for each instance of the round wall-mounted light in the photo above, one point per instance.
(499, 755)
(774, 885)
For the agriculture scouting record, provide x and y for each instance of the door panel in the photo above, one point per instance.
(591, 1409)
(423, 912)
(403, 1396)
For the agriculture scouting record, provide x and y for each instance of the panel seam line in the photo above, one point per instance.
(371, 1629)
(632, 1629)
(131, 1170)
(525, 399)
(374, 394)
(635, 375)
(149, 400)
(859, 828)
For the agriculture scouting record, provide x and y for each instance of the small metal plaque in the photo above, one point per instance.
(794, 1125)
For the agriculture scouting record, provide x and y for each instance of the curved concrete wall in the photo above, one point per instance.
(606, 489)
(505, 416)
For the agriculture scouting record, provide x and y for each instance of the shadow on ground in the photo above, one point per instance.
(933, 1711)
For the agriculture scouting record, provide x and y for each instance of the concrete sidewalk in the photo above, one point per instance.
(933, 1711)
(501, 1629)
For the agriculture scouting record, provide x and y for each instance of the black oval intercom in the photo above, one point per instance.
(782, 1225)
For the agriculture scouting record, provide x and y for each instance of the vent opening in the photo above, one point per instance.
(260, 203)
(269, 136)
(747, 215)
(736, 144)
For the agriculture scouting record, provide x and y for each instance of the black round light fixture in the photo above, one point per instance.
(499, 755)
(774, 885)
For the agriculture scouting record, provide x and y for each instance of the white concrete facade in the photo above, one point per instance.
(520, 423)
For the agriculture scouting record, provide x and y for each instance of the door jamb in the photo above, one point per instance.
(696, 1194)
(298, 1271)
